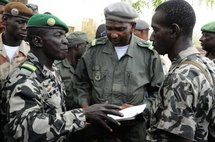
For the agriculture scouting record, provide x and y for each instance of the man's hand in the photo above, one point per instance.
(98, 114)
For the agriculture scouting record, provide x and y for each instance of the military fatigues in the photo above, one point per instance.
(187, 99)
(36, 110)
(5, 65)
(102, 77)
(67, 73)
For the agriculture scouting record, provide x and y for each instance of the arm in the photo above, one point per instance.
(83, 84)
(31, 117)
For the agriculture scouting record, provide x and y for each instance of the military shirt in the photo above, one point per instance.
(67, 73)
(102, 77)
(187, 99)
(6, 66)
(35, 104)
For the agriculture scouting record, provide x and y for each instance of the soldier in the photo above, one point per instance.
(208, 39)
(119, 69)
(12, 45)
(77, 42)
(33, 7)
(13, 48)
(187, 93)
(2, 5)
(101, 31)
(35, 97)
(142, 29)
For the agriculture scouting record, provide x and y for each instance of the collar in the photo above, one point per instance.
(130, 52)
(187, 52)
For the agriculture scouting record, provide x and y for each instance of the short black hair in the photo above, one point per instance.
(179, 12)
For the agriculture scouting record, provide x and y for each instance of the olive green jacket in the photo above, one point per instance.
(67, 71)
(102, 77)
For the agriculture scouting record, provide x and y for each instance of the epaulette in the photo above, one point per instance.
(145, 44)
(98, 41)
(29, 66)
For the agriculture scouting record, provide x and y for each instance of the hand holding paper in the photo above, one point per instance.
(129, 113)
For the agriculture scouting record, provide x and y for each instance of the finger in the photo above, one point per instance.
(111, 106)
(104, 124)
(111, 120)
(113, 112)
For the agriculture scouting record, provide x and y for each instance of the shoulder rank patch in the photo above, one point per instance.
(146, 44)
(29, 66)
(98, 41)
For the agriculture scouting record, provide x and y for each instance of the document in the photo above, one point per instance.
(129, 113)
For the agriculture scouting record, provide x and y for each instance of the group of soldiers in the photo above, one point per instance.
(61, 87)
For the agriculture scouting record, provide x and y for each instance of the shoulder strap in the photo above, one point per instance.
(29, 66)
(200, 67)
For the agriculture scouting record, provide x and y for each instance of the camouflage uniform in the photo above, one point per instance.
(67, 73)
(5, 65)
(102, 77)
(35, 101)
(187, 100)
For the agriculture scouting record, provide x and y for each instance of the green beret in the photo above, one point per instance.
(17, 9)
(76, 38)
(46, 21)
(121, 12)
(209, 27)
(3, 2)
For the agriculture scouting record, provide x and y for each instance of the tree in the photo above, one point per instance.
(140, 4)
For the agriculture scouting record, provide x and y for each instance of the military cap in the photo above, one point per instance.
(17, 9)
(101, 31)
(141, 25)
(46, 21)
(121, 12)
(3, 2)
(76, 38)
(209, 27)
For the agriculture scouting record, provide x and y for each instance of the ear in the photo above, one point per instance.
(37, 41)
(175, 30)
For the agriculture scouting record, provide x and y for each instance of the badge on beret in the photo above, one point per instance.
(51, 22)
(14, 12)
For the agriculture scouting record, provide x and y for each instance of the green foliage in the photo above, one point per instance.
(210, 3)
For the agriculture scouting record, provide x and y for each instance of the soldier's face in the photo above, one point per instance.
(1, 15)
(55, 44)
(119, 33)
(208, 41)
(16, 27)
(161, 35)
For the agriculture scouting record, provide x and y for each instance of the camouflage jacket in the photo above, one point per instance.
(5, 65)
(187, 98)
(103, 77)
(35, 104)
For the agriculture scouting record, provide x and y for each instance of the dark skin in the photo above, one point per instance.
(119, 33)
(1, 17)
(208, 44)
(51, 44)
(15, 30)
(143, 34)
(169, 40)
(75, 53)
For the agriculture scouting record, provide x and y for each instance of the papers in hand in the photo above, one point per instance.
(129, 113)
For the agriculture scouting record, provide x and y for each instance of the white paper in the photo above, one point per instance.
(130, 112)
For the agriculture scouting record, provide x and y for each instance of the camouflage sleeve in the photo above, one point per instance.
(83, 83)
(186, 102)
(33, 118)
